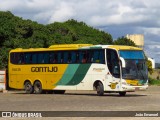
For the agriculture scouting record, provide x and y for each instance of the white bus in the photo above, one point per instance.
(104, 68)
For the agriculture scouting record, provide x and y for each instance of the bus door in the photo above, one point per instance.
(113, 73)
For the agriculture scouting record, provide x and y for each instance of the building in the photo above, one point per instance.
(138, 39)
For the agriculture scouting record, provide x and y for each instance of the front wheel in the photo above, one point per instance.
(28, 87)
(100, 89)
(37, 87)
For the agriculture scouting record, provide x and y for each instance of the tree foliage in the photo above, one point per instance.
(150, 69)
(18, 33)
(124, 41)
(72, 31)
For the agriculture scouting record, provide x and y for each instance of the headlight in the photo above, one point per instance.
(124, 83)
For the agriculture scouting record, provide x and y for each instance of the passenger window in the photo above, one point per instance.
(59, 57)
(98, 56)
(65, 57)
(34, 58)
(83, 56)
(69, 57)
(20, 58)
(40, 58)
(51, 57)
(46, 57)
(28, 58)
(17, 58)
(73, 57)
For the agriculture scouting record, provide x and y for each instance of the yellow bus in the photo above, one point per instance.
(104, 68)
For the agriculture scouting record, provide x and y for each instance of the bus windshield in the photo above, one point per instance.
(135, 65)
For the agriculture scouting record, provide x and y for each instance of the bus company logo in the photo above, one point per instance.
(113, 85)
(6, 114)
(98, 69)
(44, 69)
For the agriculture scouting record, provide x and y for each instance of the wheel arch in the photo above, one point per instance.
(38, 81)
(38, 87)
(28, 87)
(27, 80)
(95, 84)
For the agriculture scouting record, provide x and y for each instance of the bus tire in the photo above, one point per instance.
(59, 91)
(28, 87)
(38, 87)
(122, 93)
(100, 89)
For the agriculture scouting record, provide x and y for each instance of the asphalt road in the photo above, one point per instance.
(81, 101)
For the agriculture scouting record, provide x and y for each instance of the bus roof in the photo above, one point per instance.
(55, 47)
(69, 46)
(116, 47)
(76, 47)
(123, 47)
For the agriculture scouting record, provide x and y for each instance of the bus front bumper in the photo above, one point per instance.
(134, 88)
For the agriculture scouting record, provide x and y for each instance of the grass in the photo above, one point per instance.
(154, 81)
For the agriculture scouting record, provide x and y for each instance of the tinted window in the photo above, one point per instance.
(132, 54)
(59, 57)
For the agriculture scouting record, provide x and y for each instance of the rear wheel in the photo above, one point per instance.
(37, 87)
(100, 89)
(122, 93)
(28, 87)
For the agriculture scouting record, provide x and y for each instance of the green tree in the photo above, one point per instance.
(149, 64)
(73, 31)
(124, 41)
(18, 33)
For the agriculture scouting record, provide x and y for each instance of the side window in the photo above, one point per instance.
(43, 58)
(27, 58)
(90, 56)
(17, 58)
(83, 56)
(77, 57)
(65, 57)
(12, 60)
(40, 58)
(98, 56)
(53, 58)
(34, 58)
(70, 57)
(113, 63)
(102, 56)
(46, 57)
(73, 57)
(21, 58)
(59, 55)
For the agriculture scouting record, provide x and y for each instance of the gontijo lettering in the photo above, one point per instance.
(44, 69)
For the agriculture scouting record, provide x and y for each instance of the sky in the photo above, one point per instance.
(117, 17)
